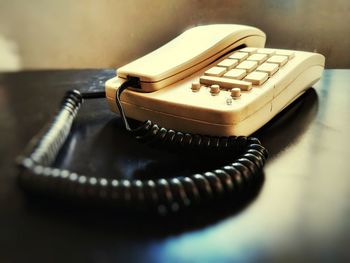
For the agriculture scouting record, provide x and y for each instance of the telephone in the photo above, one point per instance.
(217, 80)
(208, 90)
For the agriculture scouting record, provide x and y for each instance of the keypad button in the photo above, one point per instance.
(225, 82)
(260, 58)
(215, 71)
(249, 50)
(267, 51)
(287, 53)
(248, 66)
(228, 63)
(257, 78)
(280, 60)
(240, 56)
(235, 74)
(269, 68)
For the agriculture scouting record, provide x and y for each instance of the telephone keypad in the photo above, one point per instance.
(243, 69)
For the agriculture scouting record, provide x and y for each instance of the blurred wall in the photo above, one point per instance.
(104, 33)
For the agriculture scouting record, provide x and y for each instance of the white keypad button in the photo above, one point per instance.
(257, 78)
(215, 71)
(267, 51)
(248, 66)
(249, 50)
(289, 54)
(235, 74)
(260, 58)
(228, 63)
(269, 68)
(280, 60)
(240, 56)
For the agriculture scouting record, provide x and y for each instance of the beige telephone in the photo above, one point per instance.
(215, 80)
(211, 80)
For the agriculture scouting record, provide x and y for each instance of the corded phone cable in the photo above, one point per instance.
(164, 194)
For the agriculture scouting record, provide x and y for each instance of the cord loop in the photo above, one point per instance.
(164, 194)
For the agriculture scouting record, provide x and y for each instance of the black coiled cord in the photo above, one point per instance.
(164, 194)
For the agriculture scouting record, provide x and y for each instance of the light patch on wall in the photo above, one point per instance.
(9, 57)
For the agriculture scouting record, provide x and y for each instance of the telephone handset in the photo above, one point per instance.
(189, 52)
(201, 83)
(206, 90)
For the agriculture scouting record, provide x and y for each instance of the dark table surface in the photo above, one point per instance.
(300, 213)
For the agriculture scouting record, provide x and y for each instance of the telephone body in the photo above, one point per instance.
(216, 80)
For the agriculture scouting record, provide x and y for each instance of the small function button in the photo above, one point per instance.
(287, 53)
(214, 89)
(280, 60)
(226, 83)
(269, 68)
(240, 56)
(215, 71)
(228, 63)
(249, 50)
(235, 74)
(235, 93)
(257, 78)
(249, 66)
(260, 58)
(195, 86)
